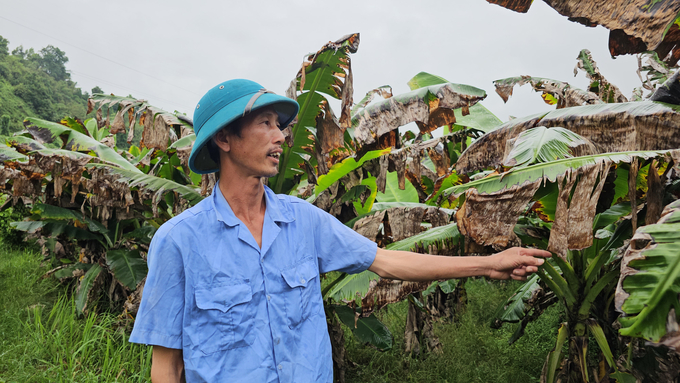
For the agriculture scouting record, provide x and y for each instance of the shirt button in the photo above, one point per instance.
(262, 260)
(280, 367)
(302, 280)
(278, 340)
(269, 297)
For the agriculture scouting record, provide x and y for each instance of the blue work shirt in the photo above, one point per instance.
(241, 313)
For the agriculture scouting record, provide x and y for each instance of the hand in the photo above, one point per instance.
(516, 263)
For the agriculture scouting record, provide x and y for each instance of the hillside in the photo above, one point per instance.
(36, 84)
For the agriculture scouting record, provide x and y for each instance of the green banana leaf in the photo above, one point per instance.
(10, 154)
(127, 266)
(367, 330)
(48, 132)
(651, 277)
(542, 144)
(85, 286)
(344, 167)
(479, 118)
(394, 194)
(183, 142)
(154, 183)
(516, 307)
(69, 270)
(548, 172)
(321, 75)
(434, 236)
(352, 287)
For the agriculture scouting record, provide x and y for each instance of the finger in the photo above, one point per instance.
(519, 272)
(535, 253)
(531, 269)
(518, 278)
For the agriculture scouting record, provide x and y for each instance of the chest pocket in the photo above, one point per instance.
(222, 320)
(302, 295)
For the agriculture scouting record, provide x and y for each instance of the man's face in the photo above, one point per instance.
(256, 152)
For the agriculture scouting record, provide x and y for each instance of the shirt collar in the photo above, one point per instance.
(275, 208)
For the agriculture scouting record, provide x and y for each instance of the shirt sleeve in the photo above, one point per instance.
(160, 317)
(340, 248)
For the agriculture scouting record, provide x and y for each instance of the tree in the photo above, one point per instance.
(4, 47)
(97, 90)
(53, 62)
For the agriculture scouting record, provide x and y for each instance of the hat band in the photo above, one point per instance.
(250, 104)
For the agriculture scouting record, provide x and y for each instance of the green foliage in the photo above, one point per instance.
(542, 144)
(368, 330)
(37, 84)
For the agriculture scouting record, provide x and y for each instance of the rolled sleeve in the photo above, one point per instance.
(159, 320)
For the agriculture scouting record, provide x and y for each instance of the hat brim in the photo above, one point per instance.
(200, 161)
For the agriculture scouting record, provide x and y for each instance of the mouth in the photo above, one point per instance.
(275, 155)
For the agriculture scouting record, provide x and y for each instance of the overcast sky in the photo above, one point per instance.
(170, 52)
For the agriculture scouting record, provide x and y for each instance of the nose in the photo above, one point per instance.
(279, 137)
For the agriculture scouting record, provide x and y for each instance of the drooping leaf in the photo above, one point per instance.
(429, 107)
(144, 234)
(542, 144)
(328, 71)
(184, 141)
(70, 270)
(610, 127)
(565, 94)
(657, 33)
(342, 168)
(154, 183)
(478, 117)
(83, 294)
(394, 194)
(516, 307)
(367, 330)
(605, 90)
(45, 131)
(432, 237)
(127, 266)
(550, 171)
(650, 278)
(352, 287)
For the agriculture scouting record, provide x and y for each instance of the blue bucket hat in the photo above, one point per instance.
(224, 104)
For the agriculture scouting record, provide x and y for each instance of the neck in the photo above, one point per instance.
(245, 196)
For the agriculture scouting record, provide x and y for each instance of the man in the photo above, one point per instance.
(233, 291)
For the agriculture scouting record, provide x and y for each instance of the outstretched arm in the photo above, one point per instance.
(515, 263)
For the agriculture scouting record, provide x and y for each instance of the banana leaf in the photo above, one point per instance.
(432, 237)
(516, 307)
(83, 293)
(127, 266)
(48, 132)
(543, 144)
(341, 169)
(154, 183)
(394, 194)
(650, 278)
(368, 330)
(430, 107)
(558, 91)
(610, 127)
(322, 72)
(478, 117)
(549, 171)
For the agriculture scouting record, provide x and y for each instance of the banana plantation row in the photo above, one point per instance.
(596, 182)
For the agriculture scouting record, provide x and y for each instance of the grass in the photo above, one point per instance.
(472, 350)
(43, 339)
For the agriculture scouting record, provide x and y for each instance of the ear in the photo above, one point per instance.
(222, 141)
